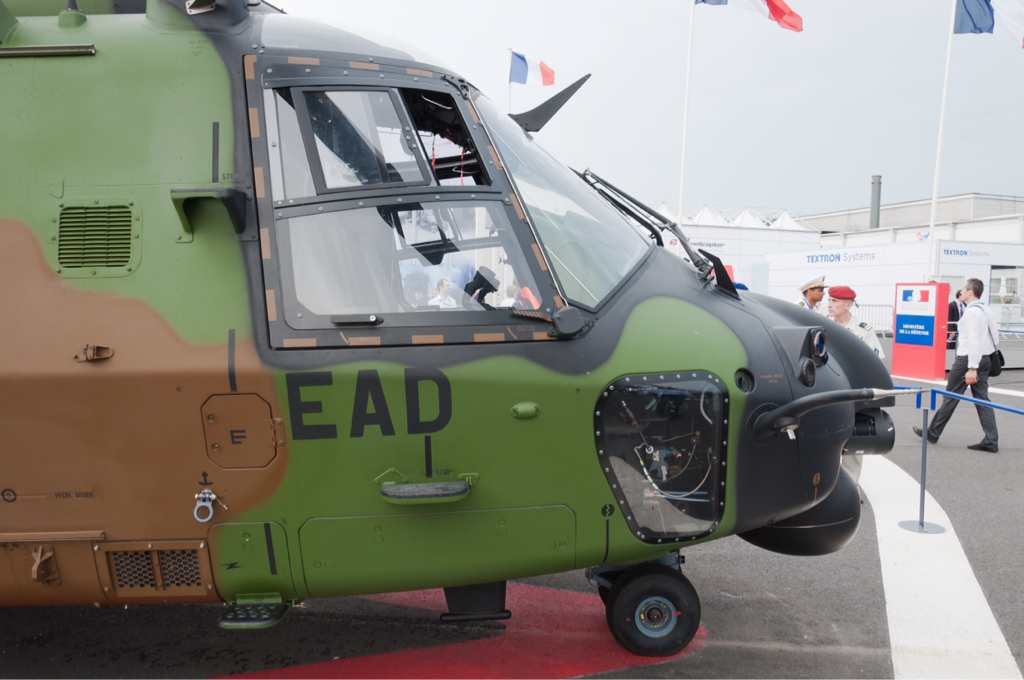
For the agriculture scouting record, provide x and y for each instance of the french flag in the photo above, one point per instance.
(530, 71)
(916, 295)
(776, 10)
(1004, 19)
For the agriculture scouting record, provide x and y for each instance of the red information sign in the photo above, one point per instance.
(919, 330)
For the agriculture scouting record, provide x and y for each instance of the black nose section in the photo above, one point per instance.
(873, 433)
(823, 529)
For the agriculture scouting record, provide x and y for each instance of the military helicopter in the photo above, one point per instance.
(294, 314)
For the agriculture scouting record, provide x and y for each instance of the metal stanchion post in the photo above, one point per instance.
(924, 463)
(920, 526)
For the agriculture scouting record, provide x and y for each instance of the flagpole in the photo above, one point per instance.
(938, 153)
(686, 110)
(509, 80)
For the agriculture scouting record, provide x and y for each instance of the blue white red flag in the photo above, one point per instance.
(1004, 19)
(530, 71)
(776, 10)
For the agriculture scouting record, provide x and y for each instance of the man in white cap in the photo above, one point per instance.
(840, 300)
(811, 294)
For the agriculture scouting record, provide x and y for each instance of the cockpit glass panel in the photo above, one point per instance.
(359, 139)
(413, 261)
(289, 166)
(591, 245)
(449, 148)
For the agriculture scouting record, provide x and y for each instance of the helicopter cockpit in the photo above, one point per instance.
(393, 240)
(393, 213)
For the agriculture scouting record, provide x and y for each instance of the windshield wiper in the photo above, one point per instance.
(648, 218)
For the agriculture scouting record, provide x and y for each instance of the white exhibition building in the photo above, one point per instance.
(975, 236)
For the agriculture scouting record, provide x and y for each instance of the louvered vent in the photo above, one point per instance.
(180, 568)
(133, 569)
(98, 236)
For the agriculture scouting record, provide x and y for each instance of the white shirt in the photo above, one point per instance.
(977, 332)
(448, 303)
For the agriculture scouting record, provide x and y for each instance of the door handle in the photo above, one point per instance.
(421, 494)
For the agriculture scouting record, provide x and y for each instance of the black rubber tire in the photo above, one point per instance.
(640, 584)
(603, 592)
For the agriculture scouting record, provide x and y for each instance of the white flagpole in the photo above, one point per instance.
(509, 80)
(686, 110)
(938, 153)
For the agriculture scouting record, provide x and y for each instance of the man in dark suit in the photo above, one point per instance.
(955, 310)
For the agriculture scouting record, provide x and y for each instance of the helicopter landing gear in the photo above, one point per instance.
(651, 608)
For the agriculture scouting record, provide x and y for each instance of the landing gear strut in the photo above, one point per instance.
(651, 608)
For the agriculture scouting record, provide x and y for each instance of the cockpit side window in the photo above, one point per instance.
(447, 143)
(402, 263)
(290, 176)
(356, 139)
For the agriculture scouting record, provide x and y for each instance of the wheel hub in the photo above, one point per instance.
(656, 617)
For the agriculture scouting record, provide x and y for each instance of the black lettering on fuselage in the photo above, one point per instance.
(298, 408)
(368, 387)
(370, 406)
(413, 378)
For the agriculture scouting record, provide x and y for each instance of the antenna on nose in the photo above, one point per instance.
(73, 6)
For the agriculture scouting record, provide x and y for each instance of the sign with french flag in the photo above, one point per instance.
(1004, 19)
(916, 295)
(776, 10)
(530, 71)
(919, 331)
(915, 300)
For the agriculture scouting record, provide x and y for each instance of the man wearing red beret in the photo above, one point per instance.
(840, 300)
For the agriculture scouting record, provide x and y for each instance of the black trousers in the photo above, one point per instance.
(979, 390)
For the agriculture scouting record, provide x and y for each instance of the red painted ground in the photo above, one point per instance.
(552, 634)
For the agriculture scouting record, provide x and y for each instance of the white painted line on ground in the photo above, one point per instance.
(992, 390)
(940, 624)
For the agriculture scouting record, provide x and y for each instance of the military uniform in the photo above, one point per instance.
(853, 463)
(817, 309)
(816, 282)
(866, 333)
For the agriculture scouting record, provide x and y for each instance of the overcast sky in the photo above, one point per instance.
(777, 119)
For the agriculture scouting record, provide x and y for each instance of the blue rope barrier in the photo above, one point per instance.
(961, 397)
(924, 431)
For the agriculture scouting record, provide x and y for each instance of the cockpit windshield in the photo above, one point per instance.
(590, 245)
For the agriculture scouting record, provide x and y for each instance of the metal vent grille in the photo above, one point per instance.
(95, 236)
(180, 568)
(133, 569)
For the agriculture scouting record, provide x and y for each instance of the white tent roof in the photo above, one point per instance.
(787, 221)
(709, 218)
(665, 211)
(748, 218)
